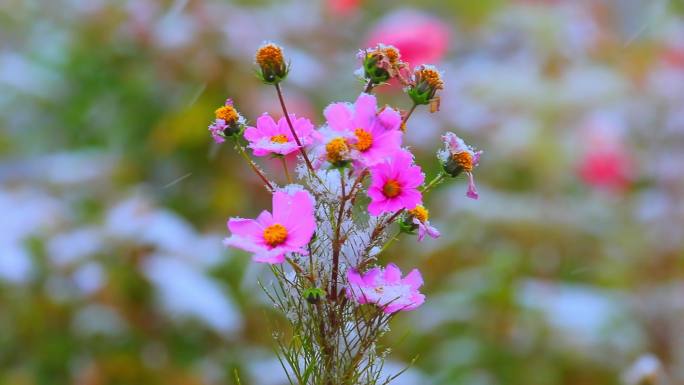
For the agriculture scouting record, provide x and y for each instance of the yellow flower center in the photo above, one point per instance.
(279, 139)
(391, 188)
(269, 55)
(364, 139)
(431, 77)
(275, 234)
(227, 113)
(464, 160)
(336, 150)
(420, 213)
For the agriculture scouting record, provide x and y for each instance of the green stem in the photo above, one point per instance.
(369, 87)
(287, 173)
(254, 167)
(408, 115)
(435, 181)
(292, 130)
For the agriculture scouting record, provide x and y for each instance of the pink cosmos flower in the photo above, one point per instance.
(394, 184)
(421, 38)
(386, 288)
(270, 138)
(228, 122)
(216, 129)
(459, 157)
(373, 136)
(271, 236)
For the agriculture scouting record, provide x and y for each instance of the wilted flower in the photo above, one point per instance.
(457, 157)
(228, 122)
(394, 184)
(383, 63)
(269, 137)
(372, 136)
(386, 289)
(419, 219)
(425, 83)
(271, 62)
(270, 236)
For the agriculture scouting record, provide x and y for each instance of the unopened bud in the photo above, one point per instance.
(271, 62)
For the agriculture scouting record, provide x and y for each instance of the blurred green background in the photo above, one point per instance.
(568, 270)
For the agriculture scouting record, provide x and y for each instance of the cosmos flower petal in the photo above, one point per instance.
(472, 190)
(339, 116)
(365, 108)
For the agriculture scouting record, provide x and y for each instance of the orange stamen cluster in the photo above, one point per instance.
(275, 234)
(279, 139)
(270, 55)
(227, 113)
(420, 213)
(431, 77)
(364, 139)
(336, 150)
(464, 160)
(391, 188)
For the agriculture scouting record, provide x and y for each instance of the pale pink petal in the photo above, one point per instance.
(392, 273)
(252, 134)
(267, 125)
(365, 108)
(339, 116)
(389, 119)
(246, 228)
(472, 190)
(246, 244)
(414, 279)
(273, 256)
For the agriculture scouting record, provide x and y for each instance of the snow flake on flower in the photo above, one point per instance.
(386, 289)
(272, 235)
(394, 184)
(457, 157)
(271, 138)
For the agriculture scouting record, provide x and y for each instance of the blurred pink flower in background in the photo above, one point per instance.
(606, 162)
(420, 37)
(343, 7)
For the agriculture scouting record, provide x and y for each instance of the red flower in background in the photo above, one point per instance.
(606, 169)
(420, 37)
(343, 7)
(606, 162)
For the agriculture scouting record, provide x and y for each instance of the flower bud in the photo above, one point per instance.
(313, 295)
(424, 85)
(272, 66)
(458, 163)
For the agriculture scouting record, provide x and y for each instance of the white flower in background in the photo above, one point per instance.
(186, 292)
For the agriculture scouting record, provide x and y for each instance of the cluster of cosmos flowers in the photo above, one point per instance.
(361, 143)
